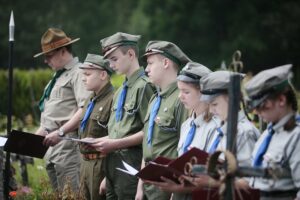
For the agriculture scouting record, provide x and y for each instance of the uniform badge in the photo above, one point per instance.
(126, 106)
(101, 108)
(157, 119)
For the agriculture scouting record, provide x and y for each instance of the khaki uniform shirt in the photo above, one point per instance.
(203, 135)
(67, 95)
(96, 126)
(166, 130)
(247, 135)
(283, 152)
(138, 95)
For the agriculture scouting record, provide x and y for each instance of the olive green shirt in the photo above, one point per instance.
(96, 126)
(135, 107)
(166, 130)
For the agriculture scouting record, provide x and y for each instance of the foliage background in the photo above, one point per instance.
(209, 31)
(267, 32)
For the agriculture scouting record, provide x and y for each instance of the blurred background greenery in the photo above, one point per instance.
(209, 31)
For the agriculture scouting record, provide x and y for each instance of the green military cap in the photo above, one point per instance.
(265, 83)
(167, 49)
(192, 72)
(111, 43)
(214, 84)
(93, 61)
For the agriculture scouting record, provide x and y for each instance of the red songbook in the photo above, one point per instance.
(172, 169)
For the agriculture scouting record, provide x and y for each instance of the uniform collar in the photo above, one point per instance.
(169, 90)
(104, 91)
(71, 63)
(198, 120)
(135, 76)
(280, 124)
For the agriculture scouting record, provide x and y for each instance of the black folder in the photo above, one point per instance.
(27, 144)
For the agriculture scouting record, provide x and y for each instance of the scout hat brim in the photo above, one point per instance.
(56, 46)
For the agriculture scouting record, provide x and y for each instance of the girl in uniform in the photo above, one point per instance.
(272, 97)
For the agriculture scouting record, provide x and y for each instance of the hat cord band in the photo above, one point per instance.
(213, 91)
(173, 58)
(53, 45)
(121, 43)
(190, 75)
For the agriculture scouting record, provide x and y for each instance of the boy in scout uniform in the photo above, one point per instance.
(96, 112)
(165, 111)
(272, 97)
(128, 112)
(61, 106)
(198, 130)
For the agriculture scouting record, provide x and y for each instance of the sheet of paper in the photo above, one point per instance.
(2, 141)
(128, 169)
(84, 140)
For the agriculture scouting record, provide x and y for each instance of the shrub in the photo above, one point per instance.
(28, 86)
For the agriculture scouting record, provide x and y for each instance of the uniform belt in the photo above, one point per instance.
(93, 156)
(279, 193)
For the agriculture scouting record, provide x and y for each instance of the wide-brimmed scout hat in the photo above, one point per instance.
(265, 83)
(192, 72)
(167, 49)
(215, 84)
(111, 43)
(93, 61)
(54, 38)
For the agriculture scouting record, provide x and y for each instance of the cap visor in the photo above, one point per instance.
(110, 51)
(186, 79)
(252, 104)
(208, 98)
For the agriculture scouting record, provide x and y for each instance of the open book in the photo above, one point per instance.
(168, 168)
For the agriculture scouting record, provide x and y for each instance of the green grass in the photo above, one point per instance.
(36, 172)
(37, 177)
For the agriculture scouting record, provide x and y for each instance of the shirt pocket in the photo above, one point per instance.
(98, 124)
(131, 107)
(166, 122)
(62, 89)
(273, 159)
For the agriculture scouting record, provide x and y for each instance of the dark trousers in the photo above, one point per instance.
(119, 185)
(91, 176)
